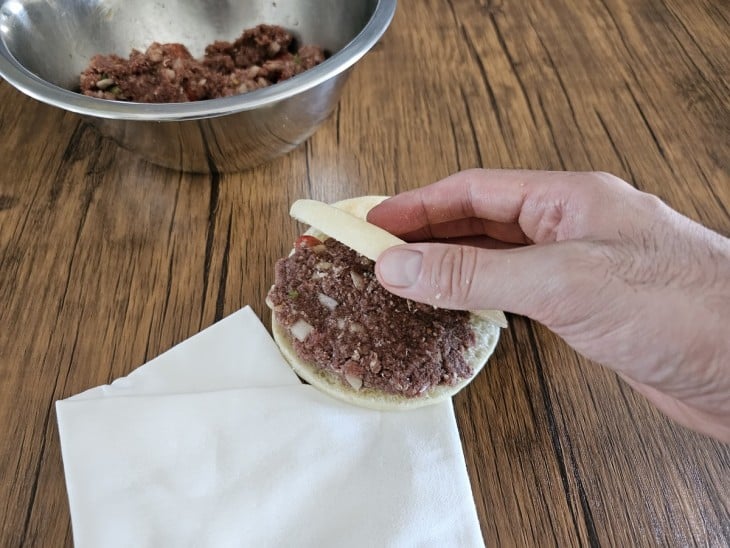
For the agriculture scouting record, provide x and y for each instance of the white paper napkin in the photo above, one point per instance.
(216, 443)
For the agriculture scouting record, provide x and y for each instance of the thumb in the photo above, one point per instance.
(528, 280)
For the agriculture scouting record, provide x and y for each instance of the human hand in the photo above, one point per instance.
(621, 277)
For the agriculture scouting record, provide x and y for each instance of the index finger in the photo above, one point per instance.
(484, 194)
(510, 205)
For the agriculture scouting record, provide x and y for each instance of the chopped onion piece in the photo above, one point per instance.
(327, 302)
(357, 328)
(355, 382)
(357, 280)
(301, 329)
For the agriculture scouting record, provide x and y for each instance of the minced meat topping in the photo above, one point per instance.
(343, 320)
(168, 73)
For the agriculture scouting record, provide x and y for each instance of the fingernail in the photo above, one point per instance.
(400, 267)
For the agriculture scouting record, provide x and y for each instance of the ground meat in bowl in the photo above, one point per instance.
(343, 320)
(168, 73)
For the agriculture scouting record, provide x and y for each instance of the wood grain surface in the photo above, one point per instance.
(107, 261)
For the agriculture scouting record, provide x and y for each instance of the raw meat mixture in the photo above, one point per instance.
(168, 73)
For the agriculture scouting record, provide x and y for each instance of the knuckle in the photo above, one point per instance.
(453, 274)
(653, 205)
(606, 178)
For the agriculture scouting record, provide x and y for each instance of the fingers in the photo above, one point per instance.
(481, 194)
(505, 232)
(484, 242)
(527, 280)
(513, 206)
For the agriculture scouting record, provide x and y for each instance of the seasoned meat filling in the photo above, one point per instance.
(168, 73)
(342, 319)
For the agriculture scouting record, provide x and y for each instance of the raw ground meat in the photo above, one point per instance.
(168, 73)
(344, 321)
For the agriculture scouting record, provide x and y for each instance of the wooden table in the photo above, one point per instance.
(107, 261)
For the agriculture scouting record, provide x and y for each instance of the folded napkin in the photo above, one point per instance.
(217, 443)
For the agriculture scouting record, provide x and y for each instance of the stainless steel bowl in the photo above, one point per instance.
(46, 44)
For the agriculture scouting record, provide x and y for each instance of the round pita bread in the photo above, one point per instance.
(486, 333)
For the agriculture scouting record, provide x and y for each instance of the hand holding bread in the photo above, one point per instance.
(621, 277)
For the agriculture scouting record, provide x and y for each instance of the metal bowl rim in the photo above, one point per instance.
(37, 88)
